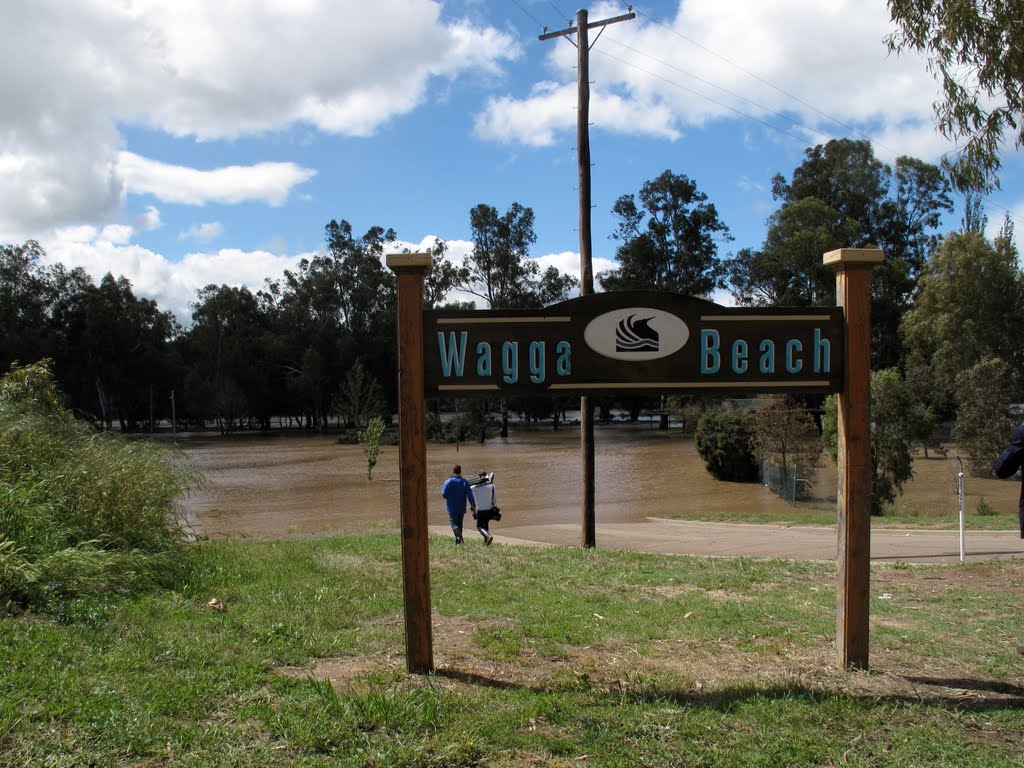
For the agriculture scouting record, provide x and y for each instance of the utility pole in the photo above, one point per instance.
(588, 535)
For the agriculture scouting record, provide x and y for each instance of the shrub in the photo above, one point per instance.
(986, 509)
(725, 440)
(80, 512)
(468, 420)
(895, 422)
(786, 437)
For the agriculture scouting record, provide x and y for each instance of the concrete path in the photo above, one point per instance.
(679, 537)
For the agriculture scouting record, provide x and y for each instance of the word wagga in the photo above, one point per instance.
(452, 351)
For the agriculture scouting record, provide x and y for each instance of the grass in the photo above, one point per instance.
(545, 657)
(905, 514)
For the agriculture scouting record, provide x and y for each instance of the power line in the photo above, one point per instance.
(559, 12)
(719, 87)
(760, 79)
(535, 19)
(722, 104)
(784, 92)
(1004, 210)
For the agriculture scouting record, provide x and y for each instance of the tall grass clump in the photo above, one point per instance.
(80, 512)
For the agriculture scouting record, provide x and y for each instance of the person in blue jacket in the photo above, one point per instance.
(456, 492)
(1009, 461)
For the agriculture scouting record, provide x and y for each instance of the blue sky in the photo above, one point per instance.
(186, 143)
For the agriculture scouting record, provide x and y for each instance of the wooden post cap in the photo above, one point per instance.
(845, 256)
(409, 261)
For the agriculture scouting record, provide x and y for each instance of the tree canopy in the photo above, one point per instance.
(975, 50)
(500, 271)
(971, 307)
(842, 196)
(668, 240)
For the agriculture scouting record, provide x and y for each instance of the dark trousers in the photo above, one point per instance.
(483, 522)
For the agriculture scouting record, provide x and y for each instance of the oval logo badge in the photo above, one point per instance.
(636, 333)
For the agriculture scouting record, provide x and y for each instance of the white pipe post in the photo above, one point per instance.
(960, 495)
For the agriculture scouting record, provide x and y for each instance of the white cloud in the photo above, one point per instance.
(656, 77)
(568, 262)
(747, 184)
(73, 73)
(265, 182)
(202, 233)
(172, 284)
(149, 220)
(532, 121)
(117, 234)
(551, 108)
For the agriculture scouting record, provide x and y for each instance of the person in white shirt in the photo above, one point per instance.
(486, 504)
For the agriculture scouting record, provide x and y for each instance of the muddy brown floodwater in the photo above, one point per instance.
(282, 485)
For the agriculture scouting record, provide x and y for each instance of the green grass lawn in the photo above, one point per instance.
(900, 516)
(545, 657)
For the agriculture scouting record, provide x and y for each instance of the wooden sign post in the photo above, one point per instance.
(853, 293)
(412, 450)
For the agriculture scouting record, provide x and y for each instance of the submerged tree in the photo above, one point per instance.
(369, 441)
(332, 310)
(786, 436)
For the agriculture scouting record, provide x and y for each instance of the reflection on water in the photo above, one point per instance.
(286, 484)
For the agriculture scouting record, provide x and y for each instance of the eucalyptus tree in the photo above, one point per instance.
(121, 345)
(332, 310)
(443, 277)
(668, 240)
(499, 270)
(26, 297)
(788, 268)
(970, 308)
(975, 50)
(842, 196)
(232, 371)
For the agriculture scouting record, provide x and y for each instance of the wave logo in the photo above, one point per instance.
(636, 333)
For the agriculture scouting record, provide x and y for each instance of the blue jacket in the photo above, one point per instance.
(456, 492)
(1009, 461)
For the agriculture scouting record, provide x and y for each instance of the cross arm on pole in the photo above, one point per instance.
(592, 25)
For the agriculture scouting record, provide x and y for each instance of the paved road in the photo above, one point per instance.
(681, 537)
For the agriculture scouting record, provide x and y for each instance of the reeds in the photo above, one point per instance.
(80, 512)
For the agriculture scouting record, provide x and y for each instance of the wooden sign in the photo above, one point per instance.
(632, 341)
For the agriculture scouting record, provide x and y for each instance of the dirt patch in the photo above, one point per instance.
(690, 670)
(1006, 578)
(673, 591)
(695, 669)
(343, 671)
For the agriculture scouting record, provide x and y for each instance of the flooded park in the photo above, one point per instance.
(271, 486)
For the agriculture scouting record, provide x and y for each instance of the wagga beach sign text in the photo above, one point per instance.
(632, 340)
